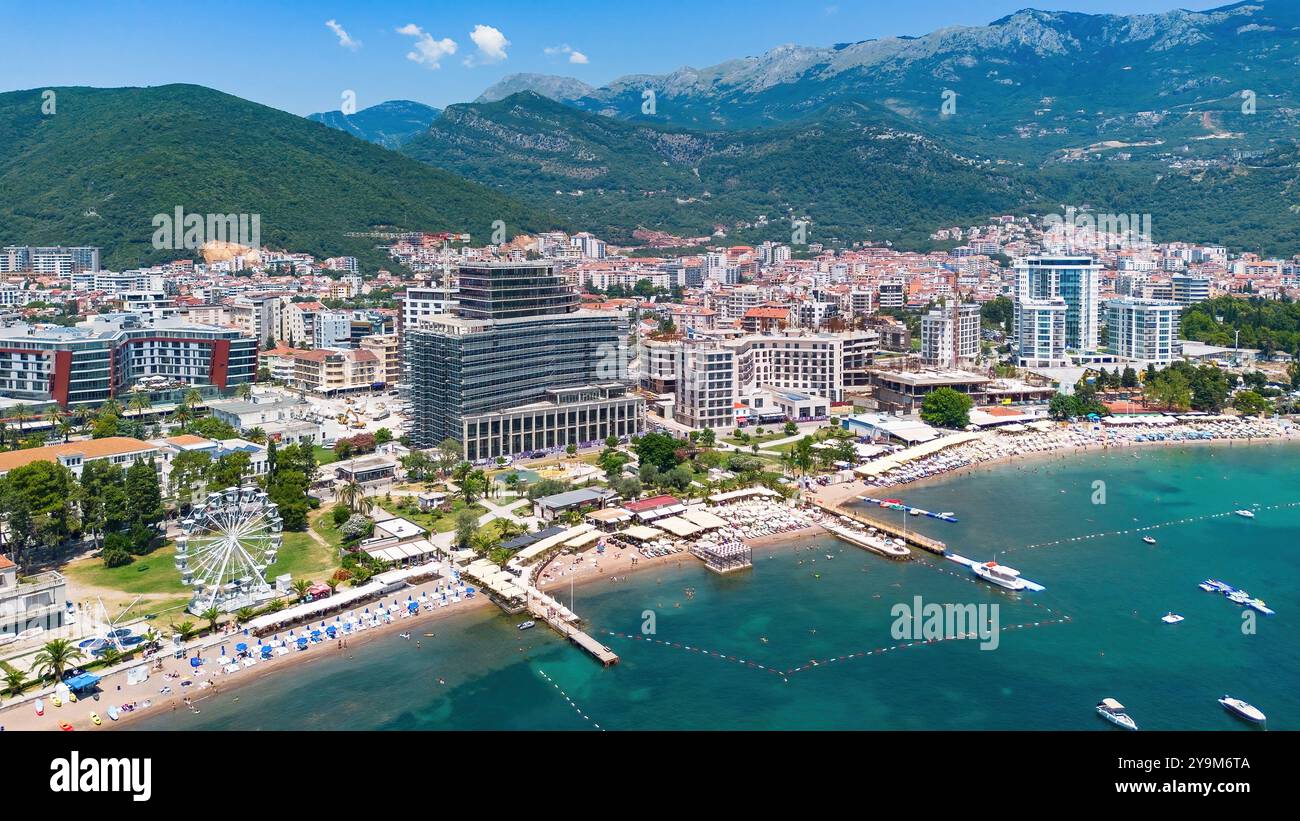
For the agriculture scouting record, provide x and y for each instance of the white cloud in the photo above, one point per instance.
(427, 51)
(345, 39)
(491, 45)
(574, 56)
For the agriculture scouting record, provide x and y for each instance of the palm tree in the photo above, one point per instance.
(185, 630)
(244, 615)
(212, 615)
(54, 415)
(139, 402)
(15, 681)
(152, 638)
(257, 435)
(110, 655)
(300, 587)
(65, 428)
(55, 656)
(193, 397)
(244, 390)
(352, 494)
(333, 583)
(183, 414)
(20, 413)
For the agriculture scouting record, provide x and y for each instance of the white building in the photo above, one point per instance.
(1041, 333)
(1145, 330)
(1073, 279)
(950, 335)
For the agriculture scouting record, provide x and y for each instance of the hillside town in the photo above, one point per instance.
(492, 421)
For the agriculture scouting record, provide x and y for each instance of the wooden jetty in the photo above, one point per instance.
(551, 615)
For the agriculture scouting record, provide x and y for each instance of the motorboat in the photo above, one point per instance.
(999, 574)
(40, 707)
(1242, 709)
(527, 625)
(1245, 514)
(1171, 618)
(1149, 539)
(1113, 711)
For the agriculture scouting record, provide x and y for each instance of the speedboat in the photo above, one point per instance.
(1245, 514)
(999, 574)
(1171, 618)
(114, 713)
(1149, 539)
(527, 625)
(40, 707)
(1242, 709)
(1113, 711)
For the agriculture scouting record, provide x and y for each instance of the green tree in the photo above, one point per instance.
(1250, 403)
(946, 408)
(211, 615)
(55, 656)
(466, 524)
(38, 506)
(142, 492)
(658, 449)
(230, 470)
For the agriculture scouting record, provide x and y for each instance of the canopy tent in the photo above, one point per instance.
(758, 490)
(302, 612)
(642, 533)
(677, 526)
(702, 518)
(584, 540)
(82, 682)
(533, 551)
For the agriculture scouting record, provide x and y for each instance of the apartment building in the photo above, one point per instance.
(950, 335)
(388, 349)
(1145, 330)
(330, 371)
(108, 354)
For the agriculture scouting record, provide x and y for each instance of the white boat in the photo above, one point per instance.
(114, 713)
(1207, 588)
(527, 625)
(1149, 539)
(1245, 514)
(40, 707)
(1242, 709)
(1113, 711)
(1171, 618)
(999, 574)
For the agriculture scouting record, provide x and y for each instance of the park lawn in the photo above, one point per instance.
(152, 573)
(323, 524)
(324, 455)
(302, 557)
(443, 523)
(766, 437)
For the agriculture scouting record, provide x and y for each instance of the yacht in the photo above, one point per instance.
(1245, 514)
(1171, 618)
(1113, 711)
(1149, 539)
(1242, 709)
(999, 574)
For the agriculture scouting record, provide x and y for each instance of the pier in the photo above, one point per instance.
(866, 542)
(910, 537)
(562, 620)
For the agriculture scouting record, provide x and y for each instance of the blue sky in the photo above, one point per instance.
(285, 55)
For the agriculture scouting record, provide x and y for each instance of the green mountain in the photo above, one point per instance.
(389, 124)
(1026, 85)
(854, 177)
(99, 169)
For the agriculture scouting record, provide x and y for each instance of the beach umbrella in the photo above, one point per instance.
(241, 647)
(196, 661)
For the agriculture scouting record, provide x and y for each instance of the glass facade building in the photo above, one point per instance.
(516, 339)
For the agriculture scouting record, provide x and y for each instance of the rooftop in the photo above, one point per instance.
(89, 449)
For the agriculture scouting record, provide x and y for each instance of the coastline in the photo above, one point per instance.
(578, 570)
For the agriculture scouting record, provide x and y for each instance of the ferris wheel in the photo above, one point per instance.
(225, 546)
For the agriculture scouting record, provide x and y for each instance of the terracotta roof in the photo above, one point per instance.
(90, 449)
(187, 439)
(650, 504)
(767, 313)
(5, 564)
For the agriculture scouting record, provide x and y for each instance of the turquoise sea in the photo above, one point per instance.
(797, 611)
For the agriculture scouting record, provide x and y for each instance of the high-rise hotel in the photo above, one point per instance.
(1050, 285)
(517, 367)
